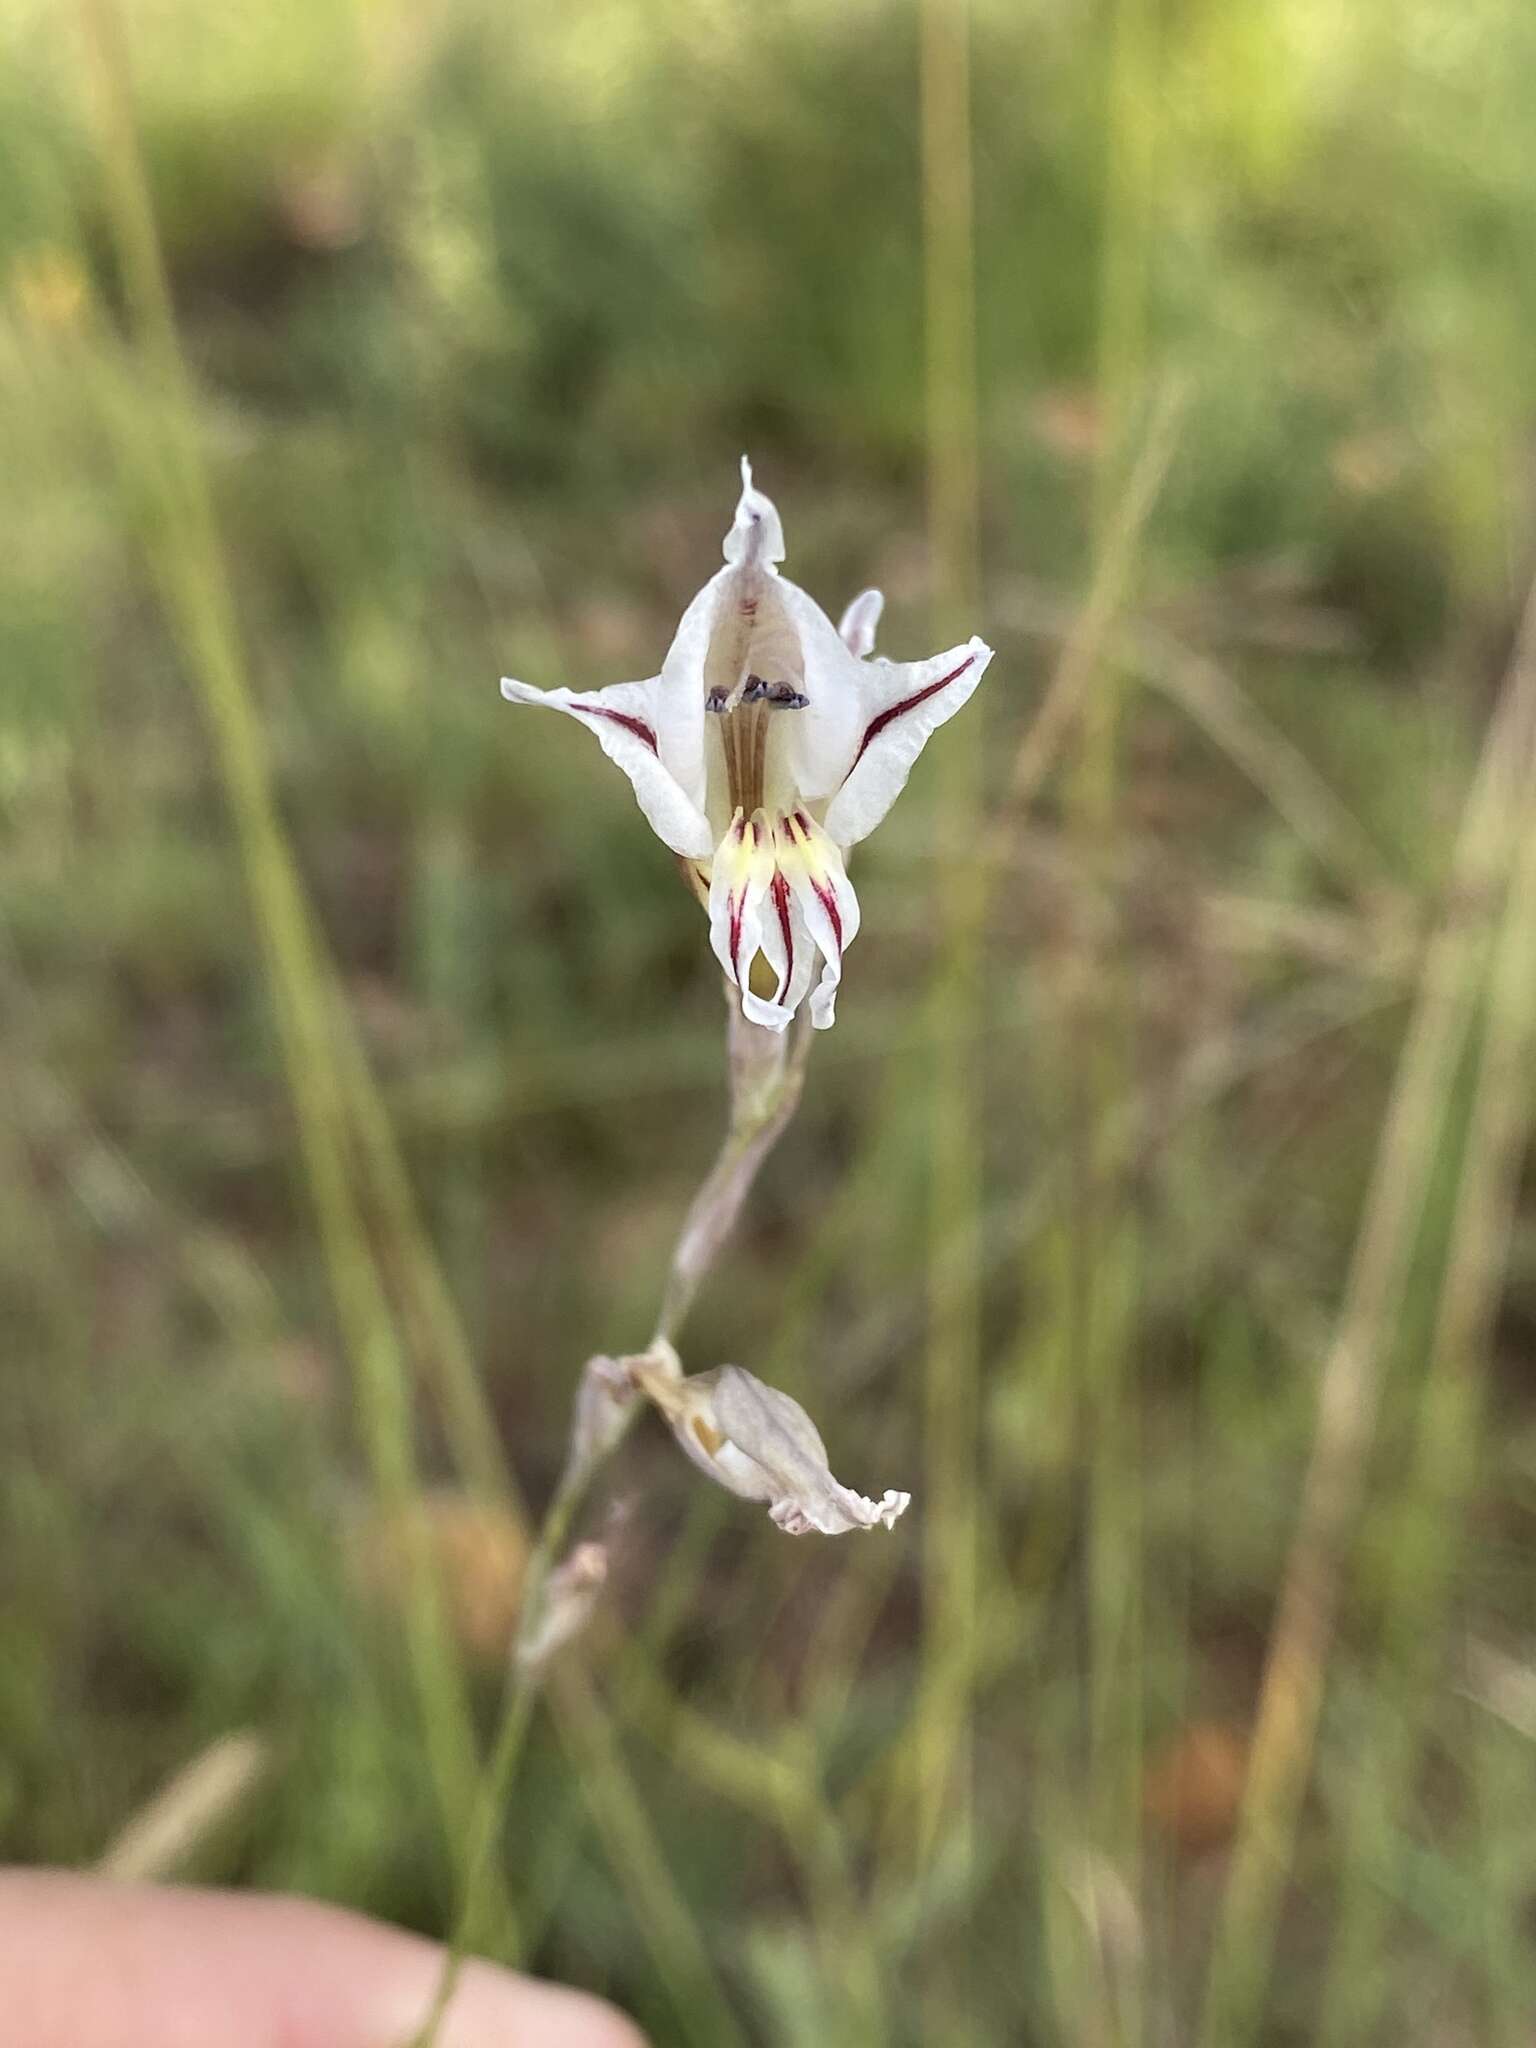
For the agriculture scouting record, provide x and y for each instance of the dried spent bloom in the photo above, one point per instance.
(768, 745)
(757, 1442)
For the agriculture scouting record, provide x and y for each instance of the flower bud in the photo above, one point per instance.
(600, 1414)
(570, 1595)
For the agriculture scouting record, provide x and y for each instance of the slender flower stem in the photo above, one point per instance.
(765, 1092)
(512, 1727)
(766, 1081)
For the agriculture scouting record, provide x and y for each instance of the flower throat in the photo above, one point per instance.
(749, 730)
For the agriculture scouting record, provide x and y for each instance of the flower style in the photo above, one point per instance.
(769, 744)
(757, 1442)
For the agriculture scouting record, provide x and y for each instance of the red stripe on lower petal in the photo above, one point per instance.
(828, 902)
(780, 890)
(877, 726)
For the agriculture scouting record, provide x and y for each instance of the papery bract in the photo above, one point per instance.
(768, 745)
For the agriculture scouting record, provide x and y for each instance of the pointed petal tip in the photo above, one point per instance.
(519, 693)
(756, 534)
(980, 653)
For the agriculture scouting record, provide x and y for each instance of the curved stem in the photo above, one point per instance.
(766, 1082)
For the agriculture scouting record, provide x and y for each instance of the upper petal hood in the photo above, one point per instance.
(756, 533)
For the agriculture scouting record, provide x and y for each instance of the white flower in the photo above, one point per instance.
(757, 1442)
(768, 745)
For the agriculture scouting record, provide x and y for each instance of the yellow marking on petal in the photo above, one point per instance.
(800, 845)
(746, 852)
(711, 1439)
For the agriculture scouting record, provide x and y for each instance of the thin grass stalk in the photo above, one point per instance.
(469, 1423)
(780, 1786)
(1430, 1515)
(1200, 688)
(162, 1837)
(1499, 1768)
(674, 1597)
(1089, 643)
(1349, 1388)
(701, 2010)
(337, 1099)
(188, 561)
(939, 1787)
(1272, 762)
(1103, 1242)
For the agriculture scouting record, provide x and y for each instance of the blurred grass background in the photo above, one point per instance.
(1155, 1210)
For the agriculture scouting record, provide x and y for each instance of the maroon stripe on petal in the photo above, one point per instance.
(736, 905)
(877, 726)
(637, 726)
(780, 890)
(828, 902)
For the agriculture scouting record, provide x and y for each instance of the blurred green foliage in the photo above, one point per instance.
(480, 306)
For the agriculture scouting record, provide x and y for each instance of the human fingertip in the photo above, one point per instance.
(494, 2008)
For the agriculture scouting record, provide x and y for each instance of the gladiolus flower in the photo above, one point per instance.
(770, 743)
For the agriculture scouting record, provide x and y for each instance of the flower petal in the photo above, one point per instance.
(677, 694)
(813, 867)
(738, 884)
(787, 944)
(756, 533)
(622, 716)
(689, 1408)
(856, 628)
(826, 732)
(777, 1435)
(901, 704)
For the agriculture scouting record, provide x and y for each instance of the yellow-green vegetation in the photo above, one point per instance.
(1155, 1211)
